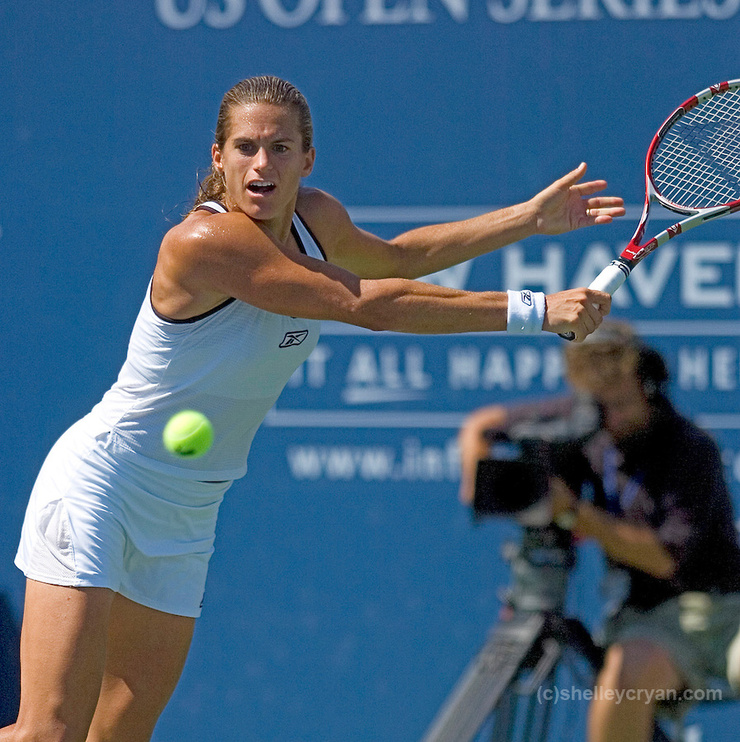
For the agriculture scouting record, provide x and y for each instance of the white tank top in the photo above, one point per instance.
(230, 364)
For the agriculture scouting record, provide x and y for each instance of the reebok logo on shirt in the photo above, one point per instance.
(293, 338)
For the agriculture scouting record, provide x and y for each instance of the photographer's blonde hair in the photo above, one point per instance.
(606, 358)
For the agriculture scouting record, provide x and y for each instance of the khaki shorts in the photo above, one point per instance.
(696, 629)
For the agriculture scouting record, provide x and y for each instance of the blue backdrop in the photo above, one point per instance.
(349, 587)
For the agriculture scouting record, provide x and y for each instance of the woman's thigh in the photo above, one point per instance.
(146, 653)
(63, 654)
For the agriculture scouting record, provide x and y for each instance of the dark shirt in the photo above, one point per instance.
(670, 477)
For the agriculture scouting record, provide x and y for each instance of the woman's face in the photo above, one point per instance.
(263, 162)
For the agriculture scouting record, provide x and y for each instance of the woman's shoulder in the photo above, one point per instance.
(204, 227)
(325, 216)
(313, 203)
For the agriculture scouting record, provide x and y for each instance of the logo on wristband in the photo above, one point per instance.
(527, 297)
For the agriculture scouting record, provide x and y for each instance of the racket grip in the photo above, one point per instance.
(612, 277)
(608, 281)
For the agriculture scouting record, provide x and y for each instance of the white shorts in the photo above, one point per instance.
(96, 521)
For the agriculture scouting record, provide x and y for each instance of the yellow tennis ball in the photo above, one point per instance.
(188, 434)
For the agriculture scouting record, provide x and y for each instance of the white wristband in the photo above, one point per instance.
(526, 312)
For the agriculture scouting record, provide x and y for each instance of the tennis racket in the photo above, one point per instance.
(692, 168)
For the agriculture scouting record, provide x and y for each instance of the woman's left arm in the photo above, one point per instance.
(563, 206)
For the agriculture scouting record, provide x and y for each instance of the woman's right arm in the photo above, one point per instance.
(228, 255)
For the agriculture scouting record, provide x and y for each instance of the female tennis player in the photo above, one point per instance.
(118, 532)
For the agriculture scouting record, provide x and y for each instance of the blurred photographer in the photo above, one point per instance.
(657, 502)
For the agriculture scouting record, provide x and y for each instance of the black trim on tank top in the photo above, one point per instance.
(297, 238)
(189, 320)
(205, 207)
(313, 236)
(224, 304)
(202, 207)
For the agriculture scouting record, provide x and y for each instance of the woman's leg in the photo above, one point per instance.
(63, 649)
(146, 654)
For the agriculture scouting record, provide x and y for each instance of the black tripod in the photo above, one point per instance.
(510, 690)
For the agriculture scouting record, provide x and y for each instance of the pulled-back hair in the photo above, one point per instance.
(262, 89)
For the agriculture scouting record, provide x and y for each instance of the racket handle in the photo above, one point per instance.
(608, 281)
(612, 277)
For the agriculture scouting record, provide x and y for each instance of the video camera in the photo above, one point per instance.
(514, 480)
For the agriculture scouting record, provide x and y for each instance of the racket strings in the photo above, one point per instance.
(697, 163)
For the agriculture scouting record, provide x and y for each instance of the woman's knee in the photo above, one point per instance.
(48, 729)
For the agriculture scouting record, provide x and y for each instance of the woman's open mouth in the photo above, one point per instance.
(260, 187)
